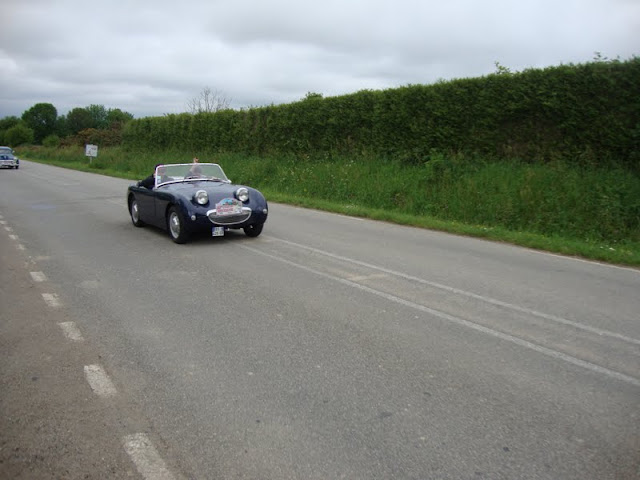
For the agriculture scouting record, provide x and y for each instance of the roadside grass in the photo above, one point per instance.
(593, 213)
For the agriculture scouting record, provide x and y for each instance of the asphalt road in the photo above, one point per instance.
(329, 347)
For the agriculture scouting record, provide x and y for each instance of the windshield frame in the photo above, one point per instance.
(183, 173)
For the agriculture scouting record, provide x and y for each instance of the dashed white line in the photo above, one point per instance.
(3, 222)
(8, 229)
(13, 237)
(146, 458)
(71, 331)
(38, 276)
(52, 300)
(99, 381)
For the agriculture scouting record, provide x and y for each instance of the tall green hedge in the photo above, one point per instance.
(580, 113)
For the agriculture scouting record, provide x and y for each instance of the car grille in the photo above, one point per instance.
(229, 219)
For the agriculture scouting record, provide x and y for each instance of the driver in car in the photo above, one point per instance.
(150, 181)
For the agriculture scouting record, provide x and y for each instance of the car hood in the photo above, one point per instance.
(215, 190)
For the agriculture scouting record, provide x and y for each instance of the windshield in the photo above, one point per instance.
(185, 172)
(6, 151)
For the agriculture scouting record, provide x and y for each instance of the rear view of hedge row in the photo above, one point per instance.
(587, 113)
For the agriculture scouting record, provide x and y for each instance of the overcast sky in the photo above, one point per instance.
(150, 57)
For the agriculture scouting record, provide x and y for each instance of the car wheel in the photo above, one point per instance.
(134, 210)
(176, 227)
(253, 230)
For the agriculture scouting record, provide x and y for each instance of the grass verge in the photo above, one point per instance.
(552, 208)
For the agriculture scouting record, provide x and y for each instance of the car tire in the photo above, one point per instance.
(134, 211)
(253, 230)
(176, 226)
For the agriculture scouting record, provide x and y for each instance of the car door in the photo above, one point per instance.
(163, 197)
(146, 206)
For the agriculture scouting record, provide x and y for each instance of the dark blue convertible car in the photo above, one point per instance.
(196, 197)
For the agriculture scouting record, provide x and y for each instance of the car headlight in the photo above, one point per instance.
(242, 194)
(201, 197)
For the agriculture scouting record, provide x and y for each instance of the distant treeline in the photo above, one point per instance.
(41, 124)
(585, 113)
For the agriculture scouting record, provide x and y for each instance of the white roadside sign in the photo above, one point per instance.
(91, 150)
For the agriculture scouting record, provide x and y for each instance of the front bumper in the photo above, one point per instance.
(9, 163)
(201, 221)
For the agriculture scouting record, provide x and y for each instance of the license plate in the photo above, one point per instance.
(217, 231)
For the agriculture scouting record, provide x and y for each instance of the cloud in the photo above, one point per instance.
(152, 57)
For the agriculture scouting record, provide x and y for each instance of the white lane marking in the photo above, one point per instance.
(38, 276)
(52, 300)
(3, 222)
(13, 237)
(146, 458)
(530, 249)
(20, 246)
(99, 381)
(459, 321)
(360, 278)
(8, 229)
(493, 301)
(71, 331)
(583, 260)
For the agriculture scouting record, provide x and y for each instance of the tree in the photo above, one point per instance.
(98, 116)
(41, 118)
(19, 135)
(79, 119)
(313, 96)
(62, 129)
(501, 69)
(115, 116)
(208, 101)
(5, 124)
